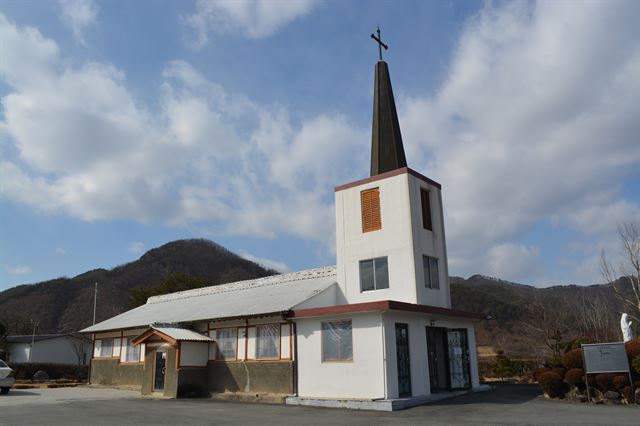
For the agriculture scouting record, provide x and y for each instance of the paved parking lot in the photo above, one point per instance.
(508, 404)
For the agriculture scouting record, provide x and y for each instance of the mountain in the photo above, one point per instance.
(66, 304)
(525, 321)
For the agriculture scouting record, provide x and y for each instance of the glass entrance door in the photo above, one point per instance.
(458, 358)
(402, 355)
(159, 370)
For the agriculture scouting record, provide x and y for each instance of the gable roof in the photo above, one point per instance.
(172, 334)
(267, 295)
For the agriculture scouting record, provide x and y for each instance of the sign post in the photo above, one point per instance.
(605, 358)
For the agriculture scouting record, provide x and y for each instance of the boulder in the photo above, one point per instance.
(611, 395)
(41, 375)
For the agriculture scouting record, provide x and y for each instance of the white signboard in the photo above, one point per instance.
(605, 358)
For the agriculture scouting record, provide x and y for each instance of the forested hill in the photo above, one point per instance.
(525, 321)
(66, 304)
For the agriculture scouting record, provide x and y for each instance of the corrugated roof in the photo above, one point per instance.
(277, 293)
(27, 338)
(183, 334)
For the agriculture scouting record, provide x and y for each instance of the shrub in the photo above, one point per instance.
(575, 377)
(633, 348)
(620, 381)
(539, 371)
(635, 363)
(502, 366)
(604, 381)
(573, 359)
(560, 371)
(627, 392)
(551, 384)
(577, 343)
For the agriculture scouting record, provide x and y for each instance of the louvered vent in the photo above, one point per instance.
(370, 203)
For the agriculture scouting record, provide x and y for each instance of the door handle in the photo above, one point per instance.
(164, 370)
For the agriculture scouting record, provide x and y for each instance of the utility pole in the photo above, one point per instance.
(33, 338)
(95, 298)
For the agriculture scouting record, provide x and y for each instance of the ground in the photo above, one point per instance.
(507, 404)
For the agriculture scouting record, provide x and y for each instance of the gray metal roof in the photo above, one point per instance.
(277, 293)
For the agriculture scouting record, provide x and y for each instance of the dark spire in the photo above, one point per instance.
(387, 152)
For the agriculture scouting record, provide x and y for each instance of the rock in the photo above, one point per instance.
(611, 395)
(41, 375)
(637, 396)
(583, 398)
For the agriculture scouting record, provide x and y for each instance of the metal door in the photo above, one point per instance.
(438, 360)
(160, 369)
(458, 358)
(402, 355)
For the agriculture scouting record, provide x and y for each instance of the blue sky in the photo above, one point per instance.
(127, 125)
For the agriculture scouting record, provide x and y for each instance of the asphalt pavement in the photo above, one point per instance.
(505, 405)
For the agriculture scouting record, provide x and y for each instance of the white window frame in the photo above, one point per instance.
(131, 353)
(102, 348)
(375, 277)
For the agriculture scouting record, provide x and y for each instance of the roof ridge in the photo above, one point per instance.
(246, 284)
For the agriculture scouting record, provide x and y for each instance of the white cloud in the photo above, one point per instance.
(537, 121)
(78, 15)
(251, 18)
(61, 251)
(136, 247)
(208, 157)
(267, 263)
(20, 270)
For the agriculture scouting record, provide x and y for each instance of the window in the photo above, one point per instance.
(227, 340)
(430, 268)
(132, 353)
(374, 274)
(337, 342)
(268, 345)
(370, 206)
(425, 200)
(106, 348)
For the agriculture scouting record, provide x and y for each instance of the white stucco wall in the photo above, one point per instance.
(394, 241)
(194, 354)
(361, 378)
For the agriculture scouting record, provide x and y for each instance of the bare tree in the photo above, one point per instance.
(549, 320)
(593, 317)
(79, 346)
(627, 287)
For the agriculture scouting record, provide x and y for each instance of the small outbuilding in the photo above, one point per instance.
(48, 348)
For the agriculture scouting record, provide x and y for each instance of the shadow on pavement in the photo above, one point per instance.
(17, 392)
(500, 394)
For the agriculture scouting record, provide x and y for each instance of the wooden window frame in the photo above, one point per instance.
(279, 357)
(218, 354)
(370, 210)
(127, 339)
(335, 361)
(425, 203)
(112, 346)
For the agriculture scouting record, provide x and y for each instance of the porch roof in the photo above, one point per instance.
(172, 335)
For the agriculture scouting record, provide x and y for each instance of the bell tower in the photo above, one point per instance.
(390, 241)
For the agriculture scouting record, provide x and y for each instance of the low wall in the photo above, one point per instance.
(251, 377)
(110, 372)
(192, 382)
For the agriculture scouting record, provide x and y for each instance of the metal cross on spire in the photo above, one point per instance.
(380, 43)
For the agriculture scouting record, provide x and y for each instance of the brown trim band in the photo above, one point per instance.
(384, 305)
(395, 172)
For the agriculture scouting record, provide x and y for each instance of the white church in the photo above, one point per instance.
(374, 332)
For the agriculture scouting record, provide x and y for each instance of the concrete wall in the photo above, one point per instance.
(194, 354)
(251, 376)
(361, 378)
(193, 382)
(109, 372)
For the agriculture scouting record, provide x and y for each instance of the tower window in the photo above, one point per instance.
(425, 199)
(370, 204)
(374, 274)
(430, 268)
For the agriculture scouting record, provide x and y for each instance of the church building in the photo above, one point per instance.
(374, 332)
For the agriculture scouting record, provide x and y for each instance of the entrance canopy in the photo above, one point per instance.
(171, 335)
